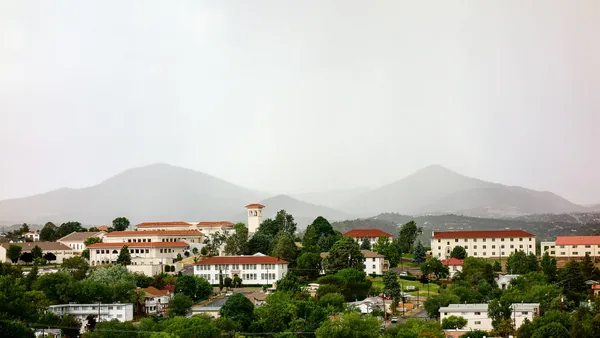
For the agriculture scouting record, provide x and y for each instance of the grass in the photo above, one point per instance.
(433, 288)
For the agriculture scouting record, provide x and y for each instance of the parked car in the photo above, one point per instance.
(229, 293)
(403, 273)
(410, 287)
(394, 319)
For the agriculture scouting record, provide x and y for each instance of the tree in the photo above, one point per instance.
(344, 254)
(221, 280)
(85, 254)
(318, 236)
(549, 267)
(571, 279)
(349, 325)
(269, 231)
(408, 235)
(499, 311)
(419, 254)
(289, 283)
(36, 252)
(458, 252)
(587, 267)
(309, 265)
(76, 266)
(26, 257)
(477, 334)
(179, 305)
(436, 267)
(392, 250)
(195, 251)
(227, 282)
(285, 248)
(351, 283)
(49, 256)
(124, 257)
(203, 251)
(391, 285)
(551, 330)
(92, 240)
(194, 287)
(214, 242)
(24, 228)
(67, 228)
(48, 232)
(120, 224)
(334, 301)
(237, 281)
(497, 267)
(239, 308)
(14, 253)
(237, 243)
(433, 304)
(179, 257)
(15, 329)
(454, 322)
(365, 245)
(533, 265)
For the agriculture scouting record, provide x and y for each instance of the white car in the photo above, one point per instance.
(394, 319)
(403, 273)
(229, 293)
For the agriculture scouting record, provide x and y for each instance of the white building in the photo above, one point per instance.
(575, 247)
(153, 236)
(75, 240)
(256, 269)
(548, 247)
(477, 314)
(32, 236)
(144, 253)
(103, 312)
(59, 250)
(254, 217)
(156, 301)
(375, 263)
(208, 228)
(503, 281)
(371, 235)
(454, 265)
(483, 244)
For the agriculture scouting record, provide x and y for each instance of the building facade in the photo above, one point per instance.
(154, 236)
(256, 269)
(156, 301)
(255, 216)
(59, 250)
(75, 240)
(371, 235)
(483, 244)
(477, 314)
(454, 265)
(102, 312)
(142, 253)
(375, 263)
(31, 236)
(574, 247)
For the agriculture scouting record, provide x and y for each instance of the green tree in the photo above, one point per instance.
(194, 327)
(552, 330)
(458, 252)
(344, 254)
(15, 329)
(309, 265)
(413, 328)
(228, 282)
(194, 287)
(533, 265)
(571, 279)
(221, 280)
(237, 243)
(86, 254)
(433, 304)
(24, 228)
(517, 263)
(497, 267)
(318, 234)
(365, 245)
(92, 240)
(76, 266)
(285, 248)
(26, 257)
(239, 308)
(203, 251)
(289, 283)
(391, 286)
(333, 301)
(477, 269)
(36, 252)
(476, 334)
(351, 283)
(454, 322)
(67, 228)
(214, 242)
(179, 305)
(195, 251)
(57, 287)
(549, 267)
(48, 232)
(390, 249)
(408, 235)
(419, 254)
(587, 267)
(120, 224)
(436, 267)
(124, 257)
(237, 281)
(70, 326)
(49, 256)
(14, 253)
(499, 311)
(349, 325)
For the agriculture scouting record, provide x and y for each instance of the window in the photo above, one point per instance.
(373, 259)
(484, 246)
(588, 253)
(512, 239)
(474, 239)
(530, 239)
(439, 240)
(575, 253)
(448, 243)
(445, 313)
(502, 246)
(477, 322)
(478, 313)
(512, 246)
(484, 253)
(502, 253)
(588, 246)
(475, 253)
(466, 247)
(483, 240)
(501, 239)
(373, 266)
(574, 246)
(520, 239)
(521, 246)
(475, 247)
(456, 240)
(524, 313)
(439, 248)
(493, 247)
(562, 253)
(493, 239)
(529, 246)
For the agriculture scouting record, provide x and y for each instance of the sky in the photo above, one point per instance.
(301, 96)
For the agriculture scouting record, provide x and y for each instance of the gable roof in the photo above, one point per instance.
(79, 236)
(151, 290)
(371, 254)
(139, 245)
(577, 240)
(453, 261)
(215, 224)
(481, 234)
(45, 246)
(162, 224)
(241, 260)
(367, 233)
(154, 232)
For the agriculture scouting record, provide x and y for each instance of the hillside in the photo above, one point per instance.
(435, 190)
(156, 192)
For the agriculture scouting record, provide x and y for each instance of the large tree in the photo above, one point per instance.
(67, 228)
(268, 232)
(194, 287)
(349, 325)
(76, 266)
(36, 252)
(124, 257)
(120, 224)
(309, 265)
(179, 305)
(344, 254)
(365, 245)
(408, 235)
(26, 257)
(351, 283)
(318, 229)
(48, 232)
(458, 252)
(435, 267)
(239, 308)
(285, 248)
(14, 253)
(419, 254)
(92, 240)
(391, 286)
(454, 322)
(237, 243)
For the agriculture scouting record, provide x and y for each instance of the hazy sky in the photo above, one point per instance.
(297, 96)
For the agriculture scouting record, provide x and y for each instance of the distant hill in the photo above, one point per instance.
(157, 192)
(333, 199)
(437, 190)
(304, 213)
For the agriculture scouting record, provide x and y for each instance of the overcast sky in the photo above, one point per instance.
(298, 96)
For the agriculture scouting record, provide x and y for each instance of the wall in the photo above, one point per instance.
(441, 248)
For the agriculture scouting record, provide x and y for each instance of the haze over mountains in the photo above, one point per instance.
(162, 192)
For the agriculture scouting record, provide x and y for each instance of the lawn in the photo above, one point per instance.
(433, 288)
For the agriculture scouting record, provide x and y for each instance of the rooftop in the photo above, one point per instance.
(367, 233)
(254, 206)
(241, 260)
(481, 234)
(151, 290)
(464, 307)
(140, 245)
(45, 246)
(453, 261)
(154, 232)
(162, 224)
(215, 224)
(80, 236)
(525, 306)
(577, 240)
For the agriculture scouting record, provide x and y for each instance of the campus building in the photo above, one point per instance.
(483, 243)
(375, 263)
(573, 246)
(154, 236)
(102, 312)
(371, 235)
(59, 250)
(256, 269)
(155, 254)
(31, 236)
(76, 239)
(477, 314)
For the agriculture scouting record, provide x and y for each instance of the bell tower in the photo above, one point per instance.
(255, 217)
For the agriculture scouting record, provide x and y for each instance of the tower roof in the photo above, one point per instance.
(255, 206)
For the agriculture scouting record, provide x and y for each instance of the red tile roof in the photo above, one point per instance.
(577, 240)
(241, 260)
(138, 245)
(215, 224)
(255, 205)
(154, 232)
(482, 234)
(151, 290)
(453, 261)
(103, 228)
(367, 233)
(163, 224)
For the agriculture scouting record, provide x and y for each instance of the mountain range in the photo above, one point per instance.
(162, 192)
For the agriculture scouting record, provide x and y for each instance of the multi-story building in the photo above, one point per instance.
(477, 314)
(59, 250)
(156, 301)
(371, 235)
(102, 312)
(503, 281)
(153, 236)
(31, 236)
(256, 269)
(483, 243)
(75, 240)
(375, 263)
(144, 253)
(209, 228)
(573, 246)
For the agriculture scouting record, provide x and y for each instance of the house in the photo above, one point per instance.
(102, 312)
(371, 235)
(576, 246)
(31, 236)
(375, 263)
(257, 298)
(312, 289)
(75, 240)
(256, 269)
(59, 250)
(156, 301)
(454, 265)
(367, 305)
(482, 243)
(477, 314)
(596, 289)
(503, 281)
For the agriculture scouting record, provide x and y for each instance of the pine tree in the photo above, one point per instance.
(419, 254)
(124, 256)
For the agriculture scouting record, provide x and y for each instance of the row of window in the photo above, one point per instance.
(493, 247)
(484, 240)
(483, 253)
(575, 253)
(575, 246)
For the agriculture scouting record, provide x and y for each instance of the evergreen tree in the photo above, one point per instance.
(344, 254)
(419, 254)
(37, 252)
(549, 267)
(124, 256)
(365, 245)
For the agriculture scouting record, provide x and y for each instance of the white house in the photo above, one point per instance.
(256, 269)
(32, 236)
(454, 265)
(151, 254)
(477, 314)
(75, 240)
(503, 281)
(371, 235)
(103, 312)
(484, 243)
(59, 250)
(156, 301)
(576, 246)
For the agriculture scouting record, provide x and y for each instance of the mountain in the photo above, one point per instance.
(157, 192)
(304, 213)
(333, 199)
(435, 190)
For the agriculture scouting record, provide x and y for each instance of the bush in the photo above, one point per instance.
(408, 277)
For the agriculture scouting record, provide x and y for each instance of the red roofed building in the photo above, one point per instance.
(371, 235)
(146, 257)
(482, 243)
(454, 265)
(150, 236)
(256, 269)
(164, 226)
(576, 246)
